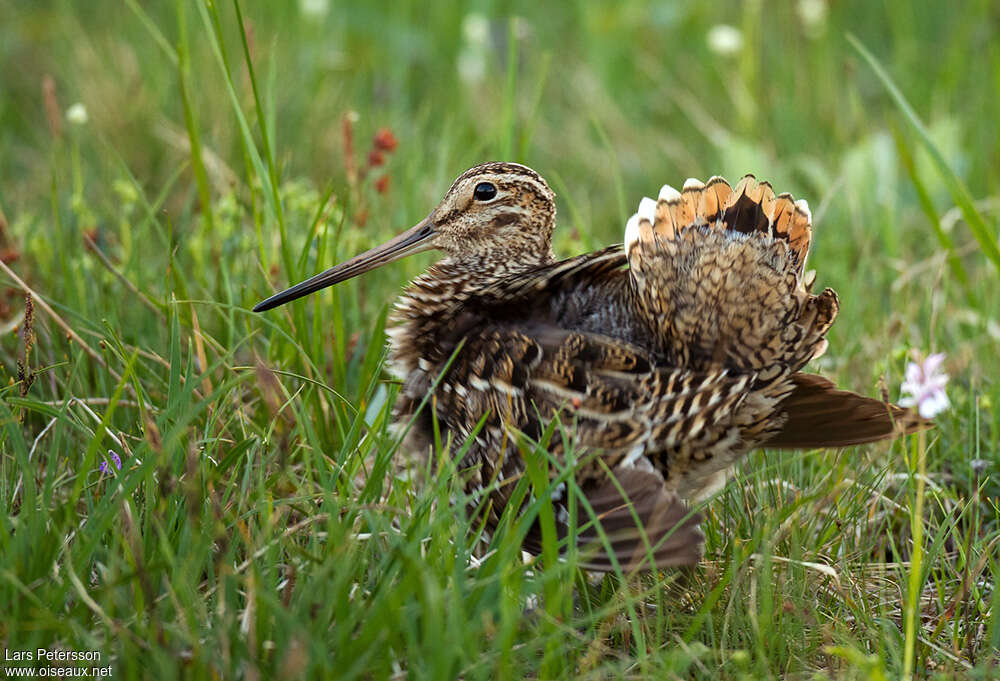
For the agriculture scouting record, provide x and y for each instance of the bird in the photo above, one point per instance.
(643, 371)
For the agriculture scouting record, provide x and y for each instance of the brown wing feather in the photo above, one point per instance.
(820, 415)
(667, 531)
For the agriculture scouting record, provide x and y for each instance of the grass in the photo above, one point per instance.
(261, 525)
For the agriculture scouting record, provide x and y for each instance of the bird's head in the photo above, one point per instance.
(494, 213)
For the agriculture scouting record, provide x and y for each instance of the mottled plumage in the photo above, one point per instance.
(666, 361)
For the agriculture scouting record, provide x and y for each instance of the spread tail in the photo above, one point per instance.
(719, 277)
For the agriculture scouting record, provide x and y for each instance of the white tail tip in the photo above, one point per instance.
(668, 193)
(803, 205)
(631, 232)
(647, 209)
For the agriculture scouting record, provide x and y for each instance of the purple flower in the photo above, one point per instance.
(105, 468)
(924, 387)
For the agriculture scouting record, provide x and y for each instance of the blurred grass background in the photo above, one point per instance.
(162, 170)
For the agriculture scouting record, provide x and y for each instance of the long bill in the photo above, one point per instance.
(413, 240)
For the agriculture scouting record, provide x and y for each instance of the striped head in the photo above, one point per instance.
(504, 210)
(494, 215)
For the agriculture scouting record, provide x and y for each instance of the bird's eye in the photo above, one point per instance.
(484, 191)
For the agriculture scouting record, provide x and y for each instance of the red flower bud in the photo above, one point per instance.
(385, 141)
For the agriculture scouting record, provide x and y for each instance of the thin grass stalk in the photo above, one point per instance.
(918, 468)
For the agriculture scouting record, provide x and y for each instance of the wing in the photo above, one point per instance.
(626, 517)
(591, 268)
(618, 409)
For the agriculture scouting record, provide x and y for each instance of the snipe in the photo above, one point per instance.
(667, 359)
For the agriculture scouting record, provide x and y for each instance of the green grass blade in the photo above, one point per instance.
(986, 237)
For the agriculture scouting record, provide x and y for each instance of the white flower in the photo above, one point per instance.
(724, 39)
(471, 66)
(77, 114)
(475, 49)
(475, 28)
(812, 14)
(924, 386)
(314, 9)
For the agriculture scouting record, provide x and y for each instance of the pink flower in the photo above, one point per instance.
(924, 387)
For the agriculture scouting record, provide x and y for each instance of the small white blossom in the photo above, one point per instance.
(471, 66)
(812, 14)
(924, 386)
(475, 28)
(314, 9)
(475, 48)
(724, 39)
(77, 114)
